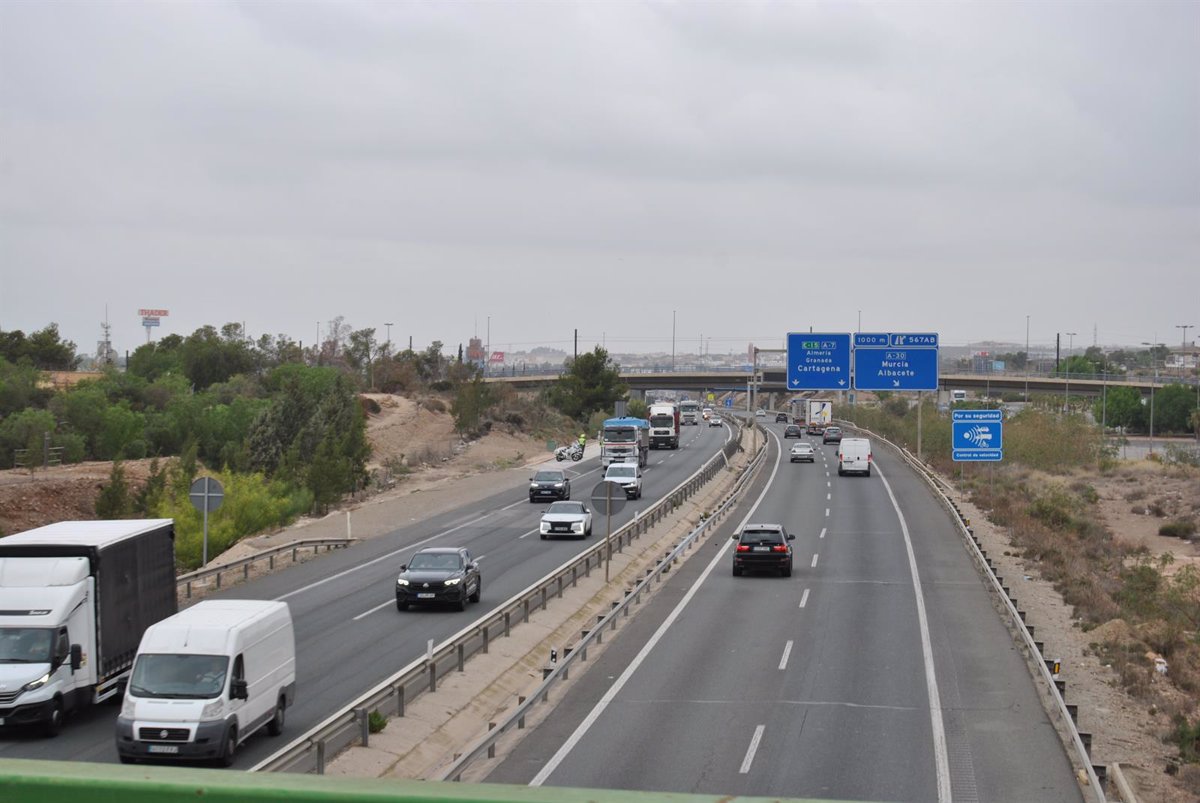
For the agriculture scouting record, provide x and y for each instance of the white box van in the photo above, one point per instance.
(207, 678)
(854, 456)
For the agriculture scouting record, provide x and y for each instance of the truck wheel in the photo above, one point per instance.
(229, 748)
(54, 723)
(275, 726)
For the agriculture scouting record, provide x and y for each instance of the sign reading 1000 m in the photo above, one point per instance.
(896, 361)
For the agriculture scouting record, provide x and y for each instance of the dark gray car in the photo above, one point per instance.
(439, 575)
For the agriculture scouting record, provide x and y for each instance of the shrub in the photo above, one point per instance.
(1187, 737)
(114, 501)
(1180, 528)
(376, 721)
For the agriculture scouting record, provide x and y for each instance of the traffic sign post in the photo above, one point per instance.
(978, 436)
(818, 361)
(206, 494)
(895, 361)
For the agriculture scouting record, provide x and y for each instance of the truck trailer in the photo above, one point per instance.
(75, 598)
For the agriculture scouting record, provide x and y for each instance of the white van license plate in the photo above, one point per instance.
(172, 749)
(426, 596)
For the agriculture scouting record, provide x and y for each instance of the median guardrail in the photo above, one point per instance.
(1055, 687)
(349, 726)
(487, 743)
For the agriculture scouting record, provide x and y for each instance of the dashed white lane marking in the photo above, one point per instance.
(829, 496)
(826, 511)
(814, 563)
(365, 614)
(787, 651)
(828, 484)
(531, 532)
(804, 598)
(750, 751)
(823, 530)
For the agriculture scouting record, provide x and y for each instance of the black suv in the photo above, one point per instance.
(549, 484)
(765, 547)
(792, 431)
(781, 418)
(439, 574)
(832, 435)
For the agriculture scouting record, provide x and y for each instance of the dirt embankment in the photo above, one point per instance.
(412, 440)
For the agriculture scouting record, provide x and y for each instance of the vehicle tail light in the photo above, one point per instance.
(779, 548)
(743, 548)
(869, 457)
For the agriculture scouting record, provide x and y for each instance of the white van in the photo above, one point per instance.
(207, 678)
(854, 456)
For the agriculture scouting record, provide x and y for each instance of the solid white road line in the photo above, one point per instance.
(388, 556)
(376, 608)
(814, 563)
(823, 530)
(752, 749)
(804, 598)
(940, 758)
(787, 651)
(593, 715)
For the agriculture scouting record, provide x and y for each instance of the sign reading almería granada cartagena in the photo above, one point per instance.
(153, 313)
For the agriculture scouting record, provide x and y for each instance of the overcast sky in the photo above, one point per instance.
(757, 167)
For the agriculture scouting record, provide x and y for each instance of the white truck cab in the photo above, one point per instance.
(205, 679)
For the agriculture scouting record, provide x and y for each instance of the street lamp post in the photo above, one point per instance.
(1070, 348)
(1027, 359)
(672, 340)
(1154, 365)
(389, 338)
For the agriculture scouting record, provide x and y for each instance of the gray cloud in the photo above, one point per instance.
(759, 167)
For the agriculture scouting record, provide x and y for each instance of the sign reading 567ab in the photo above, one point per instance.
(896, 361)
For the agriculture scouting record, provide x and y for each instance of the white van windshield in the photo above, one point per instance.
(185, 677)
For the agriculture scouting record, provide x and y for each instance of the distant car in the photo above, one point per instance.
(831, 435)
(438, 575)
(715, 421)
(760, 413)
(781, 418)
(549, 484)
(763, 547)
(802, 452)
(792, 431)
(566, 518)
(815, 428)
(628, 476)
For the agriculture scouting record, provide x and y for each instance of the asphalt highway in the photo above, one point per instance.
(879, 671)
(349, 635)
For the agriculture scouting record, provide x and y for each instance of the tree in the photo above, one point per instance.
(154, 360)
(637, 408)
(1173, 406)
(44, 349)
(361, 352)
(114, 501)
(1078, 364)
(591, 382)
(471, 400)
(209, 358)
(1122, 408)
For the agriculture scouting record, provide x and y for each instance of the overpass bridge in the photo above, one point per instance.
(774, 380)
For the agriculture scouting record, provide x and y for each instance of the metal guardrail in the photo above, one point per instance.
(185, 581)
(309, 752)
(487, 743)
(1055, 686)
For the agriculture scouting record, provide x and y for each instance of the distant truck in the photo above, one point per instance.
(624, 440)
(820, 413)
(664, 426)
(75, 599)
(689, 413)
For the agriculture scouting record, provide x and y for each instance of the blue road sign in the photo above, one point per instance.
(728, 401)
(818, 361)
(978, 435)
(896, 361)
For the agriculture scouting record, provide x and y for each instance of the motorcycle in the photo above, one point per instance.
(574, 451)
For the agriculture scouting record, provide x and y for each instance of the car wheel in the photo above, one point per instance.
(787, 571)
(275, 726)
(841, 473)
(868, 472)
(229, 748)
(545, 537)
(478, 591)
(588, 531)
(568, 496)
(126, 759)
(54, 724)
(737, 571)
(461, 605)
(401, 606)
